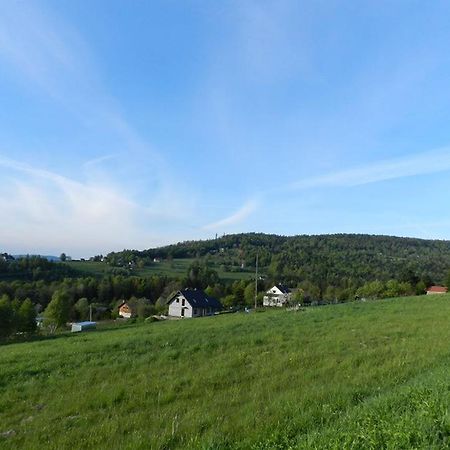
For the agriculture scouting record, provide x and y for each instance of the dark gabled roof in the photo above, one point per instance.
(283, 288)
(198, 299)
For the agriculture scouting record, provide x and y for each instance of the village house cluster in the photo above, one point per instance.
(188, 303)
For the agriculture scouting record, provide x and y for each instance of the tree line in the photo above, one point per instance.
(32, 268)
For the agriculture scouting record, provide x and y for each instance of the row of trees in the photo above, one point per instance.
(32, 268)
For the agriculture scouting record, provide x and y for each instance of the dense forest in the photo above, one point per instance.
(336, 260)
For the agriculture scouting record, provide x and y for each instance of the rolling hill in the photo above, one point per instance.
(329, 260)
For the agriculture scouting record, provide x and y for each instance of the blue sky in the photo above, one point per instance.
(136, 124)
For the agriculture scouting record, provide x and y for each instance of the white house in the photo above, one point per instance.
(126, 310)
(192, 303)
(279, 295)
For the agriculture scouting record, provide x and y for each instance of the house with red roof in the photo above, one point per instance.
(437, 290)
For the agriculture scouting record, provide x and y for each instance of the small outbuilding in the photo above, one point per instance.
(83, 326)
(192, 303)
(436, 290)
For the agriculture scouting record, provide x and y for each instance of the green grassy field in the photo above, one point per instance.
(368, 375)
(176, 268)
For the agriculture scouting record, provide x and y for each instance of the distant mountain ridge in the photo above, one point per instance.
(51, 258)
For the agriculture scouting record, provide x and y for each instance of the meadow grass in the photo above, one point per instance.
(361, 375)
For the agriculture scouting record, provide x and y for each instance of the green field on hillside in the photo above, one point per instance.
(367, 375)
(176, 268)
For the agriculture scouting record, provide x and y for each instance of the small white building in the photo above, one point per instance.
(279, 295)
(192, 303)
(83, 326)
(126, 310)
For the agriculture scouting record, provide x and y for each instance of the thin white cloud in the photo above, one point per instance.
(136, 202)
(99, 160)
(52, 59)
(43, 211)
(413, 165)
(237, 217)
(270, 44)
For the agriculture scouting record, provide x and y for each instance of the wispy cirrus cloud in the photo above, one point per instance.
(412, 165)
(99, 160)
(100, 206)
(236, 217)
(45, 211)
(52, 59)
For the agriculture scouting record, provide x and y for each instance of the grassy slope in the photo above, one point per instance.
(366, 375)
(177, 268)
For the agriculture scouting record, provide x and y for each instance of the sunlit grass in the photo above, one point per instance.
(361, 375)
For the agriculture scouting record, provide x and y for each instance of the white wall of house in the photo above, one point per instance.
(274, 297)
(180, 307)
(180, 304)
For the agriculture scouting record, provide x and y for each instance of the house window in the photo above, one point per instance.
(177, 300)
(182, 302)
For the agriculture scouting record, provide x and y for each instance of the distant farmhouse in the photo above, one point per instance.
(126, 310)
(192, 303)
(436, 290)
(279, 295)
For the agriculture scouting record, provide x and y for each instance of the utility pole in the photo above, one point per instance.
(256, 281)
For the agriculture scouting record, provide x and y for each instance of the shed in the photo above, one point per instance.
(437, 290)
(83, 326)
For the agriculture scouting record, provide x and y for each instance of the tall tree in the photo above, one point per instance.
(27, 317)
(6, 317)
(57, 312)
(81, 308)
(249, 294)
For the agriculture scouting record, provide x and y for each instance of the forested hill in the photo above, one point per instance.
(335, 260)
